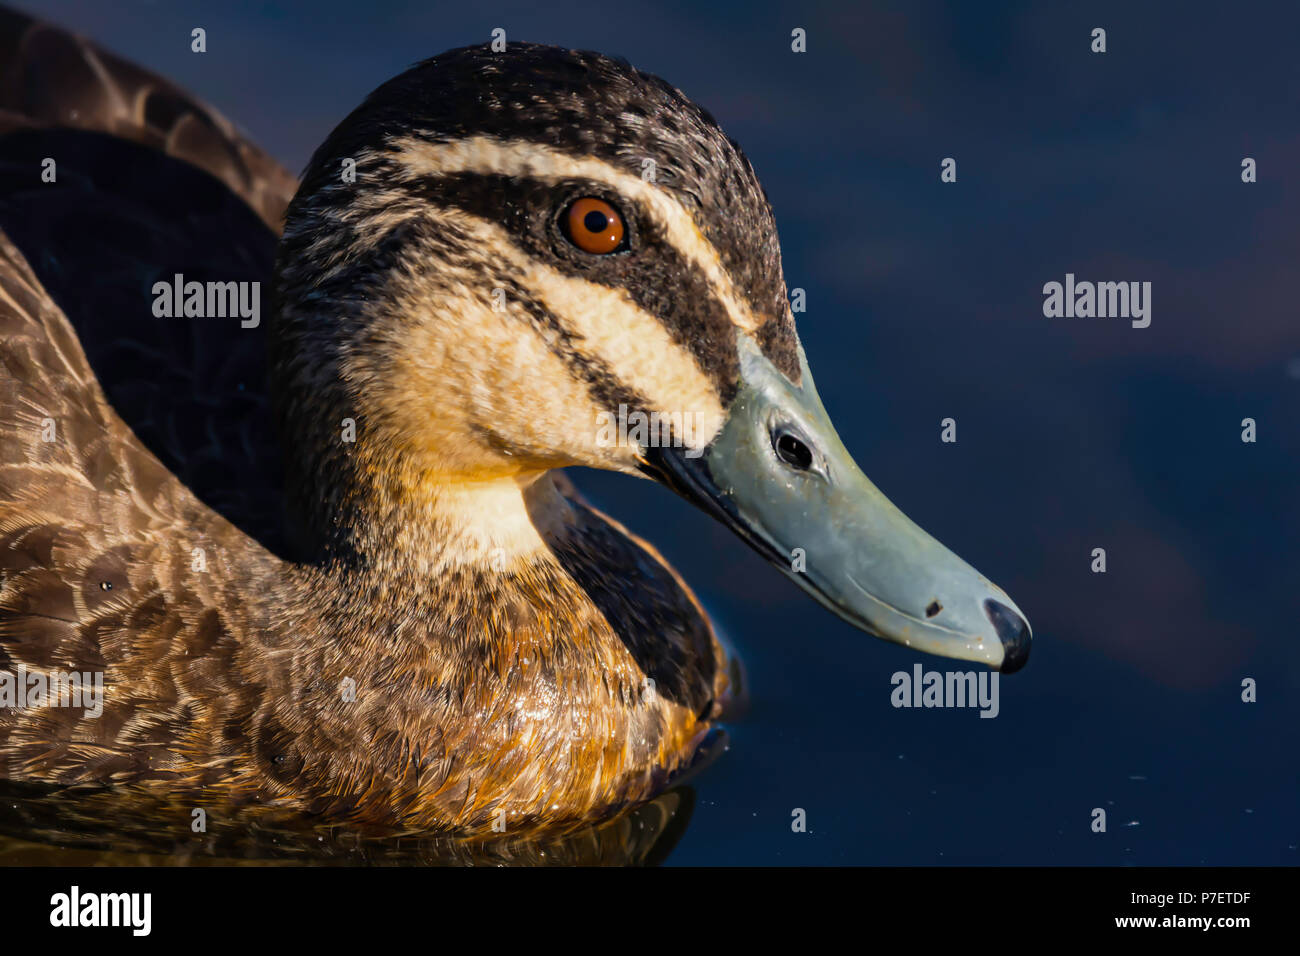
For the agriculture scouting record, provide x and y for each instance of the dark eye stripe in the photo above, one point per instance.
(656, 277)
(605, 388)
(442, 242)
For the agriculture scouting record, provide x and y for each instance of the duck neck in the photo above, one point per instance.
(402, 526)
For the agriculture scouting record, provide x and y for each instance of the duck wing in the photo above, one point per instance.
(52, 78)
(108, 565)
(139, 486)
(148, 184)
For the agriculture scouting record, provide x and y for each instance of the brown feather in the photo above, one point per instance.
(572, 683)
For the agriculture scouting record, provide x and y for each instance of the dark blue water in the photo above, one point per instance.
(925, 302)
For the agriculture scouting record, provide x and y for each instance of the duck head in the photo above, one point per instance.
(508, 262)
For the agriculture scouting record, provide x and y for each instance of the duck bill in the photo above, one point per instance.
(831, 530)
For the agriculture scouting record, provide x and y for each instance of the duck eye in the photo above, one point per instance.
(792, 451)
(594, 226)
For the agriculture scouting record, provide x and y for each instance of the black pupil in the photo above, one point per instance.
(794, 452)
(595, 221)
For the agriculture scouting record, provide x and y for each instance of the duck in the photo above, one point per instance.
(332, 564)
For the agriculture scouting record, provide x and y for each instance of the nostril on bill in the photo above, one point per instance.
(1012, 631)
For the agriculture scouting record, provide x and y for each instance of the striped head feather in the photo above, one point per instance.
(427, 290)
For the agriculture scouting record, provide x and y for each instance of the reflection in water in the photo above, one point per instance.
(42, 826)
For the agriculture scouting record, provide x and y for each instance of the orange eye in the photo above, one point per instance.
(594, 226)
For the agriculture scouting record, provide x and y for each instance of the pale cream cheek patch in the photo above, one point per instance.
(473, 385)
